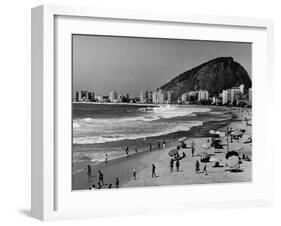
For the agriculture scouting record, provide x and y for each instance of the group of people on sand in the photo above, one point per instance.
(197, 168)
(176, 158)
(150, 147)
(172, 165)
(101, 183)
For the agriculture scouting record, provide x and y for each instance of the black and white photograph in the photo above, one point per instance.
(160, 112)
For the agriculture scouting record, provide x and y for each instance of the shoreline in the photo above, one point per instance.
(124, 165)
(164, 104)
(110, 103)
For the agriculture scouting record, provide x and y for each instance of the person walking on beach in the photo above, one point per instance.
(101, 178)
(197, 167)
(134, 174)
(192, 148)
(153, 170)
(89, 171)
(116, 182)
(106, 158)
(178, 165)
(127, 151)
(205, 169)
(164, 144)
(171, 165)
(150, 147)
(136, 149)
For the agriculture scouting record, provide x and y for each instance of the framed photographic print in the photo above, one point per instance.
(135, 112)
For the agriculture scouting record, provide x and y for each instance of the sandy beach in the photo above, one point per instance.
(142, 161)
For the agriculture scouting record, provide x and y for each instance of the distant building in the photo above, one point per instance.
(203, 95)
(77, 96)
(216, 101)
(159, 96)
(155, 97)
(93, 98)
(250, 96)
(150, 94)
(144, 96)
(234, 94)
(89, 96)
(170, 97)
(184, 97)
(241, 87)
(105, 99)
(113, 96)
(192, 96)
(226, 96)
(162, 96)
(84, 95)
(99, 98)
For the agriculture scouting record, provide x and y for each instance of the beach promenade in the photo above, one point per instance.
(142, 163)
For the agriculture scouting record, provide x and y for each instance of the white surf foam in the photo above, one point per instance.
(104, 139)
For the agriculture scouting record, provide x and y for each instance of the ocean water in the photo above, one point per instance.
(102, 123)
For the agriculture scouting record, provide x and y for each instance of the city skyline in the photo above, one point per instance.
(129, 65)
(234, 95)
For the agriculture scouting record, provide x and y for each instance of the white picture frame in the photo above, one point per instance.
(52, 197)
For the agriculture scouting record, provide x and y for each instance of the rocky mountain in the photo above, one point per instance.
(215, 75)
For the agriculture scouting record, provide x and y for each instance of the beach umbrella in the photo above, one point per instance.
(231, 153)
(205, 157)
(182, 139)
(173, 152)
(214, 159)
(237, 133)
(221, 134)
(238, 148)
(206, 146)
(233, 162)
(215, 135)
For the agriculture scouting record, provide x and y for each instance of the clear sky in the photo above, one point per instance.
(129, 65)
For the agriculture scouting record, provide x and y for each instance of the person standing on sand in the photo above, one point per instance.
(150, 147)
(205, 169)
(89, 171)
(134, 174)
(101, 178)
(106, 158)
(127, 151)
(153, 170)
(178, 165)
(136, 149)
(192, 148)
(159, 145)
(164, 144)
(197, 167)
(171, 165)
(117, 182)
